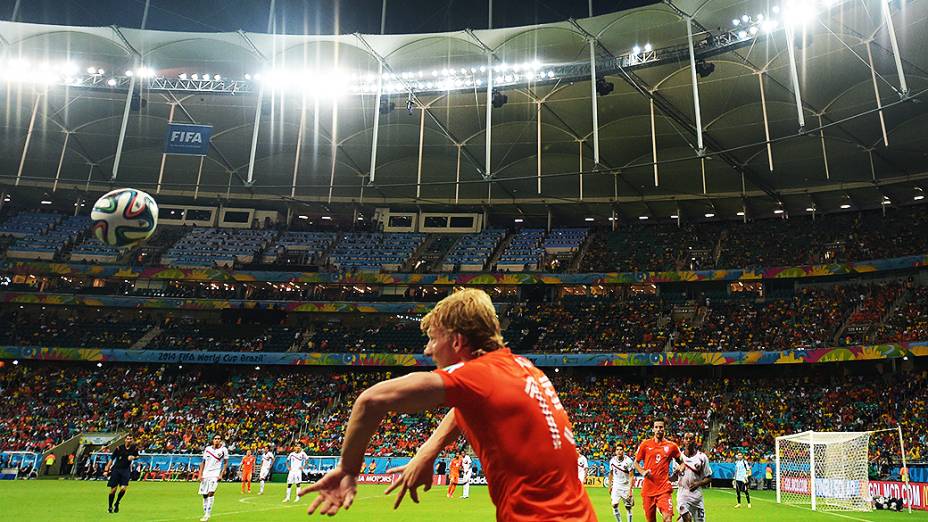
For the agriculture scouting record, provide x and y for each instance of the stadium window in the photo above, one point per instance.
(462, 222)
(645, 289)
(400, 221)
(436, 221)
(195, 214)
(236, 216)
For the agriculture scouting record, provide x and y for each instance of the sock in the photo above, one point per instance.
(615, 511)
(288, 492)
(262, 487)
(119, 497)
(296, 492)
(112, 496)
(629, 515)
(209, 504)
(205, 504)
(747, 495)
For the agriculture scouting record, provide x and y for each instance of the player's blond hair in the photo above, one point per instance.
(468, 312)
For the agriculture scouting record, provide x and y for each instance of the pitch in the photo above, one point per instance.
(74, 501)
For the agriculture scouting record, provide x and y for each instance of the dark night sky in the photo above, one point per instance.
(307, 17)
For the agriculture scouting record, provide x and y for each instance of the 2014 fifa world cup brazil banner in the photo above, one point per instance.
(800, 356)
(473, 279)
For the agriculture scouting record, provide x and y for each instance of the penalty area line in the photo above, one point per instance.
(839, 515)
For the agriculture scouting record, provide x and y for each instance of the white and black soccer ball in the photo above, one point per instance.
(124, 217)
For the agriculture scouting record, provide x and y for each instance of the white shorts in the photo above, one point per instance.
(295, 477)
(622, 496)
(582, 477)
(694, 507)
(208, 485)
(265, 473)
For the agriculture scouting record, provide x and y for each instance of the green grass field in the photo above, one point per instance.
(50, 500)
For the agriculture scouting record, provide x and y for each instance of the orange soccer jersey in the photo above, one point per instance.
(512, 417)
(248, 465)
(455, 469)
(656, 456)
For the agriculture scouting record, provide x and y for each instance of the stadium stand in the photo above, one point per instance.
(374, 251)
(472, 252)
(182, 407)
(301, 248)
(42, 235)
(524, 252)
(217, 247)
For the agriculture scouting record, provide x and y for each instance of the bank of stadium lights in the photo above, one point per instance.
(793, 13)
(919, 194)
(337, 82)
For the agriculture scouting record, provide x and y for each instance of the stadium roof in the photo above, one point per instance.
(837, 89)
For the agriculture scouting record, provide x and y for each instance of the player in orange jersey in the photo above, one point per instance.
(453, 474)
(506, 408)
(656, 491)
(248, 469)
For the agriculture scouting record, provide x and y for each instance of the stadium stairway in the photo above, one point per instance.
(147, 338)
(581, 252)
(61, 452)
(503, 245)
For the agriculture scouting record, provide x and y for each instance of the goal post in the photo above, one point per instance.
(824, 470)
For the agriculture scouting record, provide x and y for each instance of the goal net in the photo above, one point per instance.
(825, 470)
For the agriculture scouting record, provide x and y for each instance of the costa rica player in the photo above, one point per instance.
(656, 491)
(506, 408)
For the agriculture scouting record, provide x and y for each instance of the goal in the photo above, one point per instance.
(826, 470)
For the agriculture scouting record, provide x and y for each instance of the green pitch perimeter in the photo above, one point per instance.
(72, 501)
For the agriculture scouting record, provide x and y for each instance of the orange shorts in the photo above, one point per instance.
(653, 503)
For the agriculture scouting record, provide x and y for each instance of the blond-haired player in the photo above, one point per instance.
(506, 408)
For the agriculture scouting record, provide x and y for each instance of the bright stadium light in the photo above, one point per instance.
(778, 211)
(326, 218)
(183, 76)
(675, 216)
(301, 216)
(518, 220)
(111, 82)
(740, 213)
(710, 214)
(643, 218)
(636, 50)
(589, 219)
(648, 48)
(810, 209)
(845, 205)
(919, 194)
(798, 13)
(46, 202)
(91, 70)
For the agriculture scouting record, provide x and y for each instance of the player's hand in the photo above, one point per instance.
(647, 473)
(336, 490)
(417, 472)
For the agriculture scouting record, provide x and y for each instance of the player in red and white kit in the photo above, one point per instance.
(657, 453)
(694, 473)
(506, 408)
(212, 468)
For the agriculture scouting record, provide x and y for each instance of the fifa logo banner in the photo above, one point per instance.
(183, 138)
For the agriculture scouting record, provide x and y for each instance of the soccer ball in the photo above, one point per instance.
(124, 216)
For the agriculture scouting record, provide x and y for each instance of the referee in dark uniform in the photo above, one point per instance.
(118, 470)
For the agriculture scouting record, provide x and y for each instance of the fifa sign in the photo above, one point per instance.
(187, 139)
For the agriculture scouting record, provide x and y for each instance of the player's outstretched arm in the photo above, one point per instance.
(411, 393)
(419, 471)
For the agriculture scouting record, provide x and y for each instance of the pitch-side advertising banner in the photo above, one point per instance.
(914, 493)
